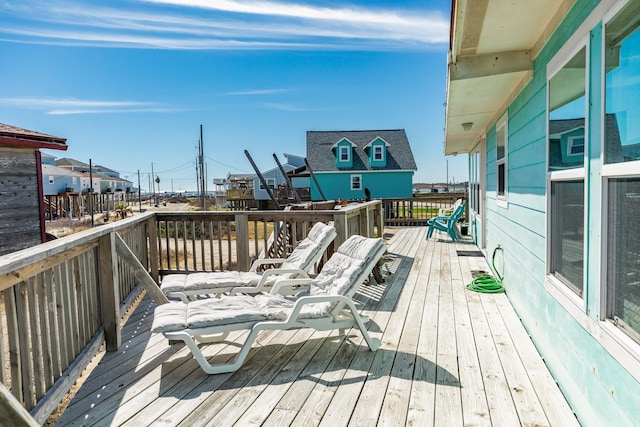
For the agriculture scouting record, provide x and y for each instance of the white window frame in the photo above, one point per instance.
(51, 179)
(346, 150)
(502, 199)
(571, 301)
(618, 344)
(378, 153)
(271, 183)
(353, 178)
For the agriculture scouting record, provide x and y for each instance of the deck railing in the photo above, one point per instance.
(418, 210)
(60, 301)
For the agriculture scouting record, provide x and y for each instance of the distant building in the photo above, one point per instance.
(276, 181)
(346, 163)
(21, 183)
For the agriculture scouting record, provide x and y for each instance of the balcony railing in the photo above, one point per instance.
(240, 194)
(417, 211)
(60, 301)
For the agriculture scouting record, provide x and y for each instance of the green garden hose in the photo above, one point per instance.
(487, 284)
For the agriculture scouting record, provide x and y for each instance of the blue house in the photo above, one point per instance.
(274, 179)
(346, 163)
(544, 97)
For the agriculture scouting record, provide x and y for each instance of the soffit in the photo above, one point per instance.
(492, 49)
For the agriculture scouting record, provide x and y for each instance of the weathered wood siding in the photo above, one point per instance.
(19, 207)
(588, 374)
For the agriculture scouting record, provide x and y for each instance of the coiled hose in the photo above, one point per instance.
(486, 283)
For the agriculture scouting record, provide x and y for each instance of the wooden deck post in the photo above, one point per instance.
(154, 257)
(242, 242)
(109, 290)
(340, 224)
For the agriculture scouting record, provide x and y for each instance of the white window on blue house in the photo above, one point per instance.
(50, 180)
(621, 171)
(271, 182)
(378, 153)
(501, 161)
(356, 182)
(345, 153)
(566, 148)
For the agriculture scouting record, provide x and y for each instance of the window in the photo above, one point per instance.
(623, 255)
(50, 180)
(501, 159)
(621, 153)
(566, 149)
(576, 145)
(356, 182)
(474, 180)
(622, 93)
(271, 182)
(378, 153)
(567, 233)
(345, 153)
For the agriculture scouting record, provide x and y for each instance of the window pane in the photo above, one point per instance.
(567, 233)
(622, 92)
(623, 254)
(566, 114)
(501, 179)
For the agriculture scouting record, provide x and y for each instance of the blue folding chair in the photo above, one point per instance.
(447, 223)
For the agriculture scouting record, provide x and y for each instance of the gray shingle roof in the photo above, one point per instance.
(322, 159)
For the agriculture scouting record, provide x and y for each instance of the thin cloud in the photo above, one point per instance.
(65, 106)
(258, 92)
(226, 24)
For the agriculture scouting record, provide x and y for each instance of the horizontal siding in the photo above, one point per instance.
(19, 207)
(589, 376)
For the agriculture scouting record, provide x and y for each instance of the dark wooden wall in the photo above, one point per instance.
(19, 207)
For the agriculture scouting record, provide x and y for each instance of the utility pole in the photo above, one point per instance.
(153, 184)
(91, 191)
(139, 193)
(202, 187)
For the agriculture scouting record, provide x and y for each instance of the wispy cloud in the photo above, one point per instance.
(285, 107)
(258, 92)
(65, 106)
(222, 24)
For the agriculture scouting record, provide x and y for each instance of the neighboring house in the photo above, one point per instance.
(275, 179)
(546, 103)
(57, 180)
(239, 188)
(109, 181)
(345, 163)
(21, 199)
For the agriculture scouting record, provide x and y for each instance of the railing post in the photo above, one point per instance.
(154, 257)
(242, 242)
(340, 224)
(109, 290)
(376, 220)
(363, 213)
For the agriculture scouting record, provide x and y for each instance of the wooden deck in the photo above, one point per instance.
(450, 357)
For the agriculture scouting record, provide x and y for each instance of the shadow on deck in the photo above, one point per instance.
(449, 356)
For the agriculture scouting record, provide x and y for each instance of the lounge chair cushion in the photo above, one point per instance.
(304, 251)
(223, 311)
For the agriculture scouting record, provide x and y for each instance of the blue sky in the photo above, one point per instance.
(128, 82)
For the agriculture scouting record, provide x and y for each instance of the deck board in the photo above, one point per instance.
(449, 356)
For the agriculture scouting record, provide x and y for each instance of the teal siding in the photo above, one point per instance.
(598, 388)
(382, 185)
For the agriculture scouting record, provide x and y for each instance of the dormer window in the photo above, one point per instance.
(345, 153)
(343, 150)
(377, 150)
(378, 153)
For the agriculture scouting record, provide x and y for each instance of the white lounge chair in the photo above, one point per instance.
(298, 264)
(327, 305)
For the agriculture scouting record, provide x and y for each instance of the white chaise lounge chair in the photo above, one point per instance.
(327, 305)
(298, 264)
